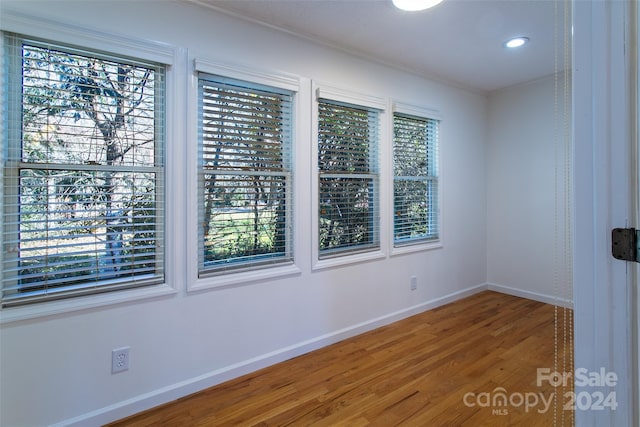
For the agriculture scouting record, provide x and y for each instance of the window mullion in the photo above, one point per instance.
(88, 168)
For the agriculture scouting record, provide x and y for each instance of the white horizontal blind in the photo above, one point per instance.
(348, 178)
(84, 192)
(245, 192)
(415, 185)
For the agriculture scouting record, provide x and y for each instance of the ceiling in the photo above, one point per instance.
(458, 41)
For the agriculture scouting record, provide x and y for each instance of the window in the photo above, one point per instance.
(347, 178)
(84, 175)
(415, 179)
(245, 190)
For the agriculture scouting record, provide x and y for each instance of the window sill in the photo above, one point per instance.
(67, 306)
(347, 259)
(236, 278)
(418, 247)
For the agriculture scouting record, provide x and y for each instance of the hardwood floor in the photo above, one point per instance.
(446, 367)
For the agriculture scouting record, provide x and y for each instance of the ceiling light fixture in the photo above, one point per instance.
(516, 42)
(415, 5)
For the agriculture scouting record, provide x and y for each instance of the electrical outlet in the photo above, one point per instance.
(119, 360)
(414, 283)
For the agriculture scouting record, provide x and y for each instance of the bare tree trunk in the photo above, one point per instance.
(109, 129)
(210, 189)
(281, 211)
(256, 214)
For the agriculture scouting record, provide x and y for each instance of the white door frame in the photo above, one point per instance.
(603, 200)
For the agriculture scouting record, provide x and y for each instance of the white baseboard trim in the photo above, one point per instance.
(548, 299)
(192, 385)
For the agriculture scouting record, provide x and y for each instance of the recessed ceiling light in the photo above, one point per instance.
(516, 42)
(415, 5)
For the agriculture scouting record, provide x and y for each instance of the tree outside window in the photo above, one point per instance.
(85, 179)
(348, 178)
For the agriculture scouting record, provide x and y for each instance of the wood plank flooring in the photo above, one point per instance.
(446, 367)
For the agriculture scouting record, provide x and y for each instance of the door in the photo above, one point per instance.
(604, 198)
(633, 270)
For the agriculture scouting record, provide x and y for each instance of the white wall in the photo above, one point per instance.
(526, 183)
(56, 368)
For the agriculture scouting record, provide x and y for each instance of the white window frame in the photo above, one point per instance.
(135, 48)
(228, 278)
(418, 246)
(322, 91)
